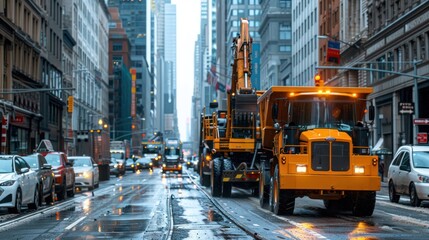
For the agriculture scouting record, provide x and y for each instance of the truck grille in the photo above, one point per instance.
(339, 160)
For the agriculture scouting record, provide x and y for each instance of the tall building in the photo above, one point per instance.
(87, 24)
(119, 78)
(328, 38)
(305, 26)
(23, 43)
(276, 43)
(398, 43)
(169, 72)
(138, 18)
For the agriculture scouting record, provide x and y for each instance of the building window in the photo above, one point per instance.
(285, 32)
(285, 4)
(285, 48)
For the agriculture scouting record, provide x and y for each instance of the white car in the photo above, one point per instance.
(409, 174)
(86, 170)
(18, 184)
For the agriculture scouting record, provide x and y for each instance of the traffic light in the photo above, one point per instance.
(318, 82)
(70, 104)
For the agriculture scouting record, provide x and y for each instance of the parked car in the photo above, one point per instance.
(18, 184)
(86, 170)
(130, 165)
(144, 163)
(117, 167)
(45, 177)
(65, 178)
(409, 174)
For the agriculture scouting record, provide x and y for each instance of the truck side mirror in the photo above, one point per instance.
(371, 113)
(274, 111)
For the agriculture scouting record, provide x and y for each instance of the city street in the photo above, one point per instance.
(150, 205)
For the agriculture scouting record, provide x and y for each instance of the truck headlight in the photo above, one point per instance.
(301, 168)
(359, 169)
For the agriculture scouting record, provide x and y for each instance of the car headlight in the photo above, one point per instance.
(150, 164)
(359, 169)
(132, 165)
(87, 174)
(7, 183)
(115, 166)
(163, 165)
(423, 178)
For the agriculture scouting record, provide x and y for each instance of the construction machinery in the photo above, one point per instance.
(233, 132)
(316, 140)
(207, 132)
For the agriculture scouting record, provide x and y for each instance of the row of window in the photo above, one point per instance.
(402, 57)
(387, 11)
(305, 25)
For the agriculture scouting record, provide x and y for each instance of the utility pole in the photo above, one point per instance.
(416, 99)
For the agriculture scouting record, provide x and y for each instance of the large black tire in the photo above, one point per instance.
(227, 186)
(393, 196)
(264, 189)
(284, 200)
(51, 198)
(216, 177)
(363, 204)
(333, 206)
(90, 188)
(18, 203)
(204, 179)
(414, 199)
(62, 195)
(36, 199)
(72, 191)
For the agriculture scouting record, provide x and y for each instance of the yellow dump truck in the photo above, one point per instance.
(316, 143)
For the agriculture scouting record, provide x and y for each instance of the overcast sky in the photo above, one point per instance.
(188, 27)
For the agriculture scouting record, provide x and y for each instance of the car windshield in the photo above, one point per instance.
(421, 159)
(53, 159)
(32, 161)
(130, 161)
(81, 162)
(6, 165)
(144, 160)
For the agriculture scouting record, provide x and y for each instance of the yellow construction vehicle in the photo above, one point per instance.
(234, 130)
(207, 133)
(316, 140)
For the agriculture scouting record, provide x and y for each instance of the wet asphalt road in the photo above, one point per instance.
(135, 206)
(149, 205)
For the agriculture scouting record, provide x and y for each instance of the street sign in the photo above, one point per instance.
(422, 137)
(421, 121)
(405, 108)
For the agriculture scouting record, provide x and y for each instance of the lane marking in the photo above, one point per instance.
(409, 220)
(75, 223)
